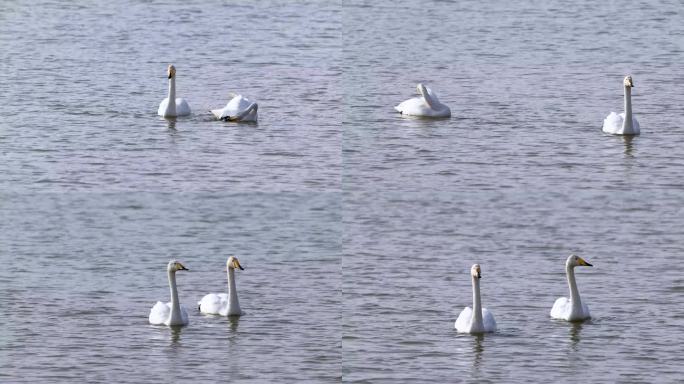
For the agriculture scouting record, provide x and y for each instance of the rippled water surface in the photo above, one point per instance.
(516, 180)
(97, 192)
(356, 226)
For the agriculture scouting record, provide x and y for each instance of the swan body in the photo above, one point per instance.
(221, 303)
(171, 313)
(623, 123)
(427, 105)
(572, 309)
(239, 108)
(179, 107)
(475, 319)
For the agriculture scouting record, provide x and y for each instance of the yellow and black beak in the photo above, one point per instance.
(583, 262)
(181, 267)
(236, 264)
(170, 75)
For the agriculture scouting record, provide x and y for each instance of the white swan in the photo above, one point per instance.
(172, 313)
(427, 105)
(180, 107)
(239, 108)
(477, 319)
(573, 309)
(624, 123)
(221, 303)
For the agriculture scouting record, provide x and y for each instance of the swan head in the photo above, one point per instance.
(174, 266)
(475, 271)
(576, 261)
(171, 71)
(628, 82)
(421, 89)
(233, 263)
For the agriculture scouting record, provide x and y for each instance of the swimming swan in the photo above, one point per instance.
(180, 107)
(239, 108)
(573, 309)
(170, 313)
(427, 105)
(221, 303)
(624, 123)
(477, 319)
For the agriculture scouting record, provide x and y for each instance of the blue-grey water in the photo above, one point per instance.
(356, 226)
(97, 192)
(520, 177)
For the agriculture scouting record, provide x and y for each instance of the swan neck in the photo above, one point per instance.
(172, 89)
(232, 290)
(627, 123)
(476, 322)
(171, 105)
(175, 304)
(574, 292)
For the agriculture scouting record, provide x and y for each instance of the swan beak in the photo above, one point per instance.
(583, 262)
(236, 264)
(181, 267)
(479, 275)
(170, 75)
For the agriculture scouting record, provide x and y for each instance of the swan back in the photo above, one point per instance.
(236, 107)
(428, 105)
(159, 313)
(613, 124)
(562, 310)
(464, 321)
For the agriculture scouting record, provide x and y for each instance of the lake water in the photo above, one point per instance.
(356, 226)
(98, 192)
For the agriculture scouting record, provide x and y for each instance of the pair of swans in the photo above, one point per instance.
(480, 320)
(173, 313)
(239, 108)
(428, 105)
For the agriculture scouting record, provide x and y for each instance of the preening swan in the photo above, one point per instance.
(476, 319)
(624, 123)
(172, 313)
(427, 105)
(239, 108)
(221, 303)
(180, 107)
(573, 309)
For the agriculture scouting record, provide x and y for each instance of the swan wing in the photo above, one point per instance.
(217, 113)
(585, 311)
(248, 114)
(430, 97)
(182, 107)
(413, 107)
(162, 107)
(635, 125)
(159, 313)
(210, 304)
(463, 321)
(488, 320)
(613, 123)
(561, 308)
(239, 108)
(184, 315)
(437, 108)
